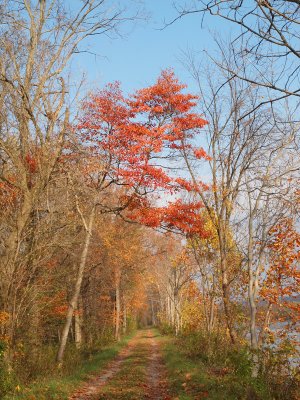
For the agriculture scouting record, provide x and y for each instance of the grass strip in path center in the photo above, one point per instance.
(129, 382)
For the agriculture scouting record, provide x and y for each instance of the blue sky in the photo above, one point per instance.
(137, 58)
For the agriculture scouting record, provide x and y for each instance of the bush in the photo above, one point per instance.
(211, 349)
(166, 329)
(278, 378)
(223, 361)
(279, 372)
(5, 378)
(239, 361)
(29, 365)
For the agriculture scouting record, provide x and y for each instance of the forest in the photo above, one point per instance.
(163, 218)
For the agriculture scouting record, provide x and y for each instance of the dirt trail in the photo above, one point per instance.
(157, 375)
(93, 386)
(154, 385)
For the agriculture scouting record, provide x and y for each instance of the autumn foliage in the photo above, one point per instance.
(88, 252)
(281, 286)
(115, 215)
(137, 139)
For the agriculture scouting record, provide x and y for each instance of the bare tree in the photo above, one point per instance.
(37, 41)
(266, 42)
(206, 258)
(252, 160)
(268, 186)
(235, 146)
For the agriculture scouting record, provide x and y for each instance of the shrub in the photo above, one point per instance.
(212, 349)
(280, 370)
(166, 329)
(5, 377)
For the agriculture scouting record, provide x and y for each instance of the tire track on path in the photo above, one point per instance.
(157, 375)
(118, 379)
(93, 386)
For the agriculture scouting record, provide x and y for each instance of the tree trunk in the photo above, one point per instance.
(153, 318)
(211, 316)
(265, 325)
(253, 330)
(169, 316)
(226, 299)
(177, 314)
(252, 298)
(253, 310)
(172, 310)
(78, 328)
(251, 287)
(118, 306)
(124, 317)
(34, 334)
(74, 300)
(12, 247)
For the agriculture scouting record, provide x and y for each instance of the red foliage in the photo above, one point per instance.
(8, 195)
(31, 163)
(139, 138)
(201, 153)
(176, 216)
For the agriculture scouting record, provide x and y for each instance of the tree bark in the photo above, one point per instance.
(78, 328)
(74, 299)
(211, 316)
(226, 297)
(118, 306)
(124, 317)
(153, 318)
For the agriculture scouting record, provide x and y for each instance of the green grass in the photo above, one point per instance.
(129, 382)
(60, 387)
(191, 376)
(192, 379)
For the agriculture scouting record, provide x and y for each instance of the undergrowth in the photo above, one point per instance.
(53, 383)
(201, 367)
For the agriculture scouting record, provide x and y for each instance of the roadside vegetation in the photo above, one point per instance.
(159, 207)
(196, 372)
(54, 384)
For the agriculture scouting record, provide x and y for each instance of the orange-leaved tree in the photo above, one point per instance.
(281, 286)
(131, 143)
